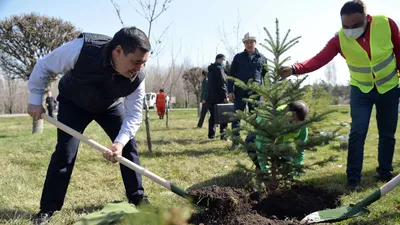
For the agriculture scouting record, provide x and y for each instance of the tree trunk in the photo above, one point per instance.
(166, 114)
(273, 183)
(198, 105)
(37, 126)
(147, 122)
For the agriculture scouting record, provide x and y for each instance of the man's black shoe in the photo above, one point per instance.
(385, 177)
(225, 137)
(42, 218)
(140, 200)
(234, 147)
(354, 185)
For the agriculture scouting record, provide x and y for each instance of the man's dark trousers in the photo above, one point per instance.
(240, 104)
(50, 111)
(63, 159)
(361, 105)
(211, 123)
(203, 113)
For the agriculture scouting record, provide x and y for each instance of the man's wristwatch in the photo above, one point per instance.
(293, 70)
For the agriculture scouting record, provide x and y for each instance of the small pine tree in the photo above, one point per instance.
(269, 122)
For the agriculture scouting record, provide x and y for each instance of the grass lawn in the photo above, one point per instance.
(182, 154)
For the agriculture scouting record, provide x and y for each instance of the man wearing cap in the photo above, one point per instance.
(246, 65)
(371, 47)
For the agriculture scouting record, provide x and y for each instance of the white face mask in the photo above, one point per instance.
(356, 32)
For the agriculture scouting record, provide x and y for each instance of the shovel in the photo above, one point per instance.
(199, 200)
(359, 209)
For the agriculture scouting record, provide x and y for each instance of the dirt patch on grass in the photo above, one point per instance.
(227, 205)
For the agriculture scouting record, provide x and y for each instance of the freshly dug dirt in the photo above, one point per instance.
(227, 205)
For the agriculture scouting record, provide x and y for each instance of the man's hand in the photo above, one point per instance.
(231, 97)
(226, 100)
(203, 101)
(115, 150)
(36, 111)
(285, 72)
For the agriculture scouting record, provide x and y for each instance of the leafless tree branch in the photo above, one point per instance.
(231, 48)
(117, 11)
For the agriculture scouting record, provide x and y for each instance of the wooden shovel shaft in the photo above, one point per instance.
(120, 159)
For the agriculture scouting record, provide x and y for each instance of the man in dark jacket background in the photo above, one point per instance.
(217, 92)
(203, 98)
(51, 104)
(246, 65)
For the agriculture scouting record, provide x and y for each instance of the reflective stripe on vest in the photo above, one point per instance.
(382, 63)
(378, 67)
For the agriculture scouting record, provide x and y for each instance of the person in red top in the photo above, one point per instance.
(160, 104)
(356, 25)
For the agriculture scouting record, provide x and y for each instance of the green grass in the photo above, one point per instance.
(182, 154)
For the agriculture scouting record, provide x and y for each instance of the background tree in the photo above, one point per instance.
(150, 10)
(26, 38)
(271, 123)
(330, 73)
(235, 46)
(10, 96)
(192, 80)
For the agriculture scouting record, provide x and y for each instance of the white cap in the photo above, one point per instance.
(249, 36)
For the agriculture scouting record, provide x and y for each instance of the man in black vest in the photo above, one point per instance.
(100, 71)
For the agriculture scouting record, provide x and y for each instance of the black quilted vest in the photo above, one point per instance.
(93, 84)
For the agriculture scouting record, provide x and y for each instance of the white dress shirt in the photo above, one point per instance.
(63, 59)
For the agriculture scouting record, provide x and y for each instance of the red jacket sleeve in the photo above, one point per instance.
(395, 40)
(331, 49)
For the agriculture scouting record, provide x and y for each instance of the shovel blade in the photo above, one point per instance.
(333, 215)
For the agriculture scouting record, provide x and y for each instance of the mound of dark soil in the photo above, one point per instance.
(226, 205)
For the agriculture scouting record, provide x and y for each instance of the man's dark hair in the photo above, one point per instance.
(354, 6)
(204, 73)
(300, 108)
(131, 38)
(219, 56)
(162, 90)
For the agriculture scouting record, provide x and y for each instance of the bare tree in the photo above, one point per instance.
(174, 70)
(24, 39)
(232, 47)
(13, 95)
(150, 10)
(192, 82)
(10, 95)
(118, 12)
(330, 73)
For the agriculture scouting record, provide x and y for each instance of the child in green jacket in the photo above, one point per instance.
(299, 110)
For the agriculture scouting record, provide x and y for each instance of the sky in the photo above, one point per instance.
(193, 24)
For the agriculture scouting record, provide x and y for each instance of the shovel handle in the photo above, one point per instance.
(103, 149)
(390, 185)
(377, 194)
